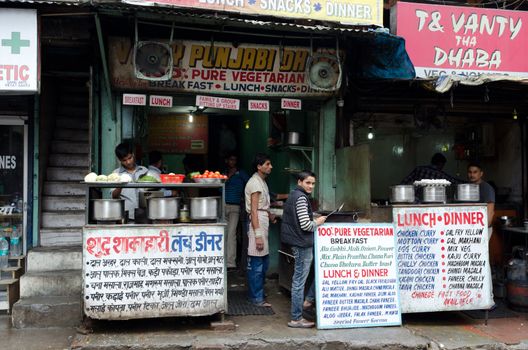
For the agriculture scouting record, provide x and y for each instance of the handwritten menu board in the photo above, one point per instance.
(356, 281)
(442, 255)
(153, 271)
(174, 133)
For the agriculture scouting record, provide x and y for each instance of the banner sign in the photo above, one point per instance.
(442, 255)
(356, 280)
(221, 68)
(218, 102)
(367, 12)
(19, 47)
(469, 41)
(258, 105)
(134, 99)
(143, 272)
(174, 133)
(160, 101)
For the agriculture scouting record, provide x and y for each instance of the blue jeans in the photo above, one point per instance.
(303, 262)
(257, 266)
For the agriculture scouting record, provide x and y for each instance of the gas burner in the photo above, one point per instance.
(108, 222)
(162, 222)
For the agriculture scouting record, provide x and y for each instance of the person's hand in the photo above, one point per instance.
(272, 218)
(259, 242)
(320, 220)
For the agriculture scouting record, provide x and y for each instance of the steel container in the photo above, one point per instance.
(434, 194)
(144, 195)
(467, 193)
(164, 208)
(293, 138)
(402, 194)
(108, 209)
(204, 208)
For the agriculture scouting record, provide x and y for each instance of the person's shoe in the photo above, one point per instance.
(302, 323)
(264, 304)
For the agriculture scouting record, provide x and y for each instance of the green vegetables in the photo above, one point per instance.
(147, 178)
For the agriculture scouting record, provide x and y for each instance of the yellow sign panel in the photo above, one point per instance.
(354, 12)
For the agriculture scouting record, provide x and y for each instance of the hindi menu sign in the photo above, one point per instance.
(153, 271)
(173, 133)
(442, 254)
(357, 284)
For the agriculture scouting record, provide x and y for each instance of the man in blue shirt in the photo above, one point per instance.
(234, 194)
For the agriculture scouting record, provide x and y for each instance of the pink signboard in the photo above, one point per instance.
(463, 40)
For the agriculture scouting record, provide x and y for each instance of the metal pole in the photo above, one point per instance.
(105, 66)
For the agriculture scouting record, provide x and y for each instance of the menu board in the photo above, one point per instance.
(153, 271)
(442, 254)
(356, 280)
(177, 133)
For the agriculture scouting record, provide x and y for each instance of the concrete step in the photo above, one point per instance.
(66, 173)
(71, 218)
(49, 283)
(70, 134)
(80, 112)
(54, 258)
(63, 203)
(63, 188)
(47, 311)
(68, 122)
(67, 160)
(70, 147)
(79, 98)
(60, 237)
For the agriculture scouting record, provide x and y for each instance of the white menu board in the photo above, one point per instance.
(356, 277)
(442, 254)
(153, 271)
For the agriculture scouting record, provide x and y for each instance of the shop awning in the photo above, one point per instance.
(444, 83)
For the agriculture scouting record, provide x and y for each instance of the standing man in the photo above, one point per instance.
(487, 193)
(155, 164)
(431, 171)
(234, 194)
(125, 153)
(297, 231)
(257, 200)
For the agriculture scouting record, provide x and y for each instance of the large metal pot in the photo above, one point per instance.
(467, 193)
(108, 209)
(293, 138)
(166, 208)
(146, 194)
(434, 194)
(402, 194)
(204, 208)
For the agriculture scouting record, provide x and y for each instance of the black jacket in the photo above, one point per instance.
(291, 232)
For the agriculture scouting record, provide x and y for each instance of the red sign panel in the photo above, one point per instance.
(463, 40)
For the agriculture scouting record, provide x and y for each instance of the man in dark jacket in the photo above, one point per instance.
(297, 230)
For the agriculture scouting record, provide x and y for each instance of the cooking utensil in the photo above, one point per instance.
(166, 208)
(434, 194)
(293, 138)
(336, 210)
(402, 194)
(108, 209)
(145, 194)
(204, 208)
(467, 193)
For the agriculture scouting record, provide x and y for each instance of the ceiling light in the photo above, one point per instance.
(370, 134)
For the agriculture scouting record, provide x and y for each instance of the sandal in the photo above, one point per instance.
(302, 323)
(263, 304)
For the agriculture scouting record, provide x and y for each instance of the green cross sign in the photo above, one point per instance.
(15, 43)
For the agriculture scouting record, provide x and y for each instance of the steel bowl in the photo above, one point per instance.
(108, 209)
(165, 208)
(204, 208)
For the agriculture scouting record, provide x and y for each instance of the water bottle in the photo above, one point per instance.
(4, 252)
(15, 243)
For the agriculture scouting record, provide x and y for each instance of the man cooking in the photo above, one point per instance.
(486, 192)
(125, 153)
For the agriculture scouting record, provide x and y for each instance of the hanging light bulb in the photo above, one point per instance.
(246, 124)
(370, 134)
(514, 114)
(191, 118)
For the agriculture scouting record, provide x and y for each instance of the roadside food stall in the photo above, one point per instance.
(170, 266)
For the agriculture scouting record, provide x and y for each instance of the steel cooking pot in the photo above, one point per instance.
(204, 208)
(165, 208)
(108, 209)
(467, 193)
(402, 194)
(434, 194)
(293, 138)
(145, 194)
